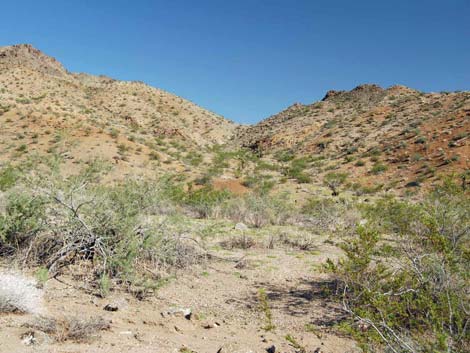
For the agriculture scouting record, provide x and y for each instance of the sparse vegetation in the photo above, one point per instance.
(186, 199)
(264, 307)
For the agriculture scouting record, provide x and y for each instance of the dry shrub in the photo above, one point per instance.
(69, 328)
(299, 241)
(330, 215)
(258, 210)
(59, 223)
(238, 242)
(19, 294)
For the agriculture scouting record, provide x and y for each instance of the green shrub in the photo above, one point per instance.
(263, 165)
(378, 168)
(284, 156)
(258, 209)
(405, 277)
(204, 200)
(265, 308)
(334, 180)
(8, 177)
(22, 148)
(24, 216)
(154, 156)
(194, 158)
(296, 170)
(114, 133)
(56, 222)
(258, 183)
(420, 140)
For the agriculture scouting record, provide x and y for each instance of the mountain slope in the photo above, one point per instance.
(378, 135)
(45, 109)
(390, 138)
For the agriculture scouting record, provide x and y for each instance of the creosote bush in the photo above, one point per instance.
(56, 223)
(330, 214)
(258, 210)
(334, 180)
(121, 234)
(405, 277)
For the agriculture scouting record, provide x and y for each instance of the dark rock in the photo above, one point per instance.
(111, 307)
(271, 349)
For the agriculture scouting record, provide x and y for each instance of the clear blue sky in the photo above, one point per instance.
(248, 59)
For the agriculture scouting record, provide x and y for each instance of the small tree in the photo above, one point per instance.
(334, 180)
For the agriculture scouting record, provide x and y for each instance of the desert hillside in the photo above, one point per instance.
(45, 110)
(393, 138)
(397, 136)
(132, 220)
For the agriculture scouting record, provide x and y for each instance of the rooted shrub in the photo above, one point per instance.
(334, 180)
(258, 210)
(56, 223)
(8, 177)
(405, 277)
(305, 242)
(205, 201)
(238, 242)
(330, 214)
(22, 218)
(69, 328)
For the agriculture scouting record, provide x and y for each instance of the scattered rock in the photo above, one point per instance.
(234, 348)
(127, 333)
(111, 307)
(271, 349)
(178, 312)
(208, 326)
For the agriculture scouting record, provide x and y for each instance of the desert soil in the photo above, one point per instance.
(223, 296)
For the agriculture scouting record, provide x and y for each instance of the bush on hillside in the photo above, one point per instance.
(330, 214)
(334, 180)
(8, 177)
(205, 201)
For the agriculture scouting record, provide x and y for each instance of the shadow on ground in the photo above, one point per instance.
(313, 298)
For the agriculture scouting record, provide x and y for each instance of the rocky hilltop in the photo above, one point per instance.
(45, 109)
(373, 133)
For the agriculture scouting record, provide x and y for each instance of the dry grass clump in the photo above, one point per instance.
(19, 294)
(330, 215)
(238, 242)
(69, 328)
(258, 210)
(304, 242)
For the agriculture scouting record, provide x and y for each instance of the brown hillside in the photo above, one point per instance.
(390, 138)
(44, 109)
(395, 135)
